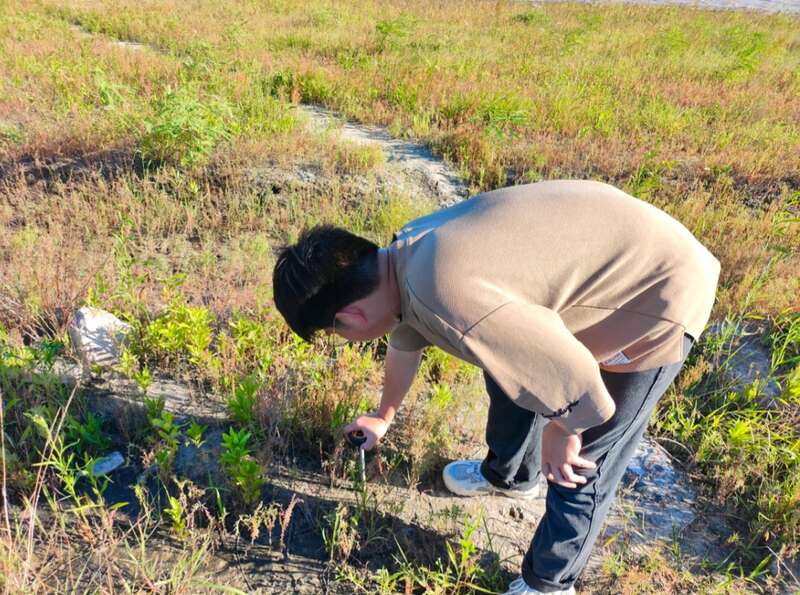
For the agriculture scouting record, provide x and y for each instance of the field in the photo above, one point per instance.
(149, 159)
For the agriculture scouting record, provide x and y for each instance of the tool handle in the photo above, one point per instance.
(356, 437)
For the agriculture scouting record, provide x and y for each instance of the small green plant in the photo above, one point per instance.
(195, 433)
(235, 445)
(166, 427)
(242, 402)
(87, 436)
(441, 398)
(392, 32)
(345, 412)
(647, 179)
(110, 95)
(339, 533)
(177, 517)
(249, 478)
(439, 367)
(459, 573)
(168, 433)
(124, 296)
(463, 561)
(11, 133)
(785, 340)
(46, 351)
(153, 407)
(792, 383)
(60, 456)
(254, 341)
(504, 110)
(530, 17)
(240, 465)
(183, 331)
(129, 366)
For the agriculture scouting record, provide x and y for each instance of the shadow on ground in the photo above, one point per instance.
(293, 557)
(51, 171)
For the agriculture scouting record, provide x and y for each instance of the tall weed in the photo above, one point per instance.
(186, 127)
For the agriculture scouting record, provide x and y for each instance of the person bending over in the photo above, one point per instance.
(579, 303)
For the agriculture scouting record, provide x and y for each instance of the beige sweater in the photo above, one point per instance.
(542, 285)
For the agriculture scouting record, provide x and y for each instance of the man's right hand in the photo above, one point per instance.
(373, 426)
(401, 366)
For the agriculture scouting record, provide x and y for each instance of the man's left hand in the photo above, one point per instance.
(561, 456)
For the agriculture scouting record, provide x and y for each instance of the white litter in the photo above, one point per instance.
(107, 464)
(97, 336)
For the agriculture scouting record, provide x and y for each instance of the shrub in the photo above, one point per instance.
(392, 32)
(182, 330)
(185, 128)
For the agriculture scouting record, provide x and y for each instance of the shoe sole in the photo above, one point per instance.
(493, 492)
(523, 496)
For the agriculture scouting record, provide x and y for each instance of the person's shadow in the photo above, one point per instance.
(296, 553)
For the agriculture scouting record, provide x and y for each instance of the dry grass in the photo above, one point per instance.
(694, 111)
(705, 89)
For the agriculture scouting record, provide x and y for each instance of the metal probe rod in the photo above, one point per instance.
(357, 439)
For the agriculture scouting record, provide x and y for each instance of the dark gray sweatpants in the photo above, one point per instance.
(573, 516)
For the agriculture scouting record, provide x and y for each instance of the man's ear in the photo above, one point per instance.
(351, 316)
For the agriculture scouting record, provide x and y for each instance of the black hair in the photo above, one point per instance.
(327, 269)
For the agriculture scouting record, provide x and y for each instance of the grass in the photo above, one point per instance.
(744, 444)
(129, 180)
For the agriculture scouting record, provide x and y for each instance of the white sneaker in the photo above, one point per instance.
(464, 478)
(520, 587)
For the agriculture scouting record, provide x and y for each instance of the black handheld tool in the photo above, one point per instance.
(357, 438)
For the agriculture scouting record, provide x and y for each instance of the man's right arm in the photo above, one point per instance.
(400, 369)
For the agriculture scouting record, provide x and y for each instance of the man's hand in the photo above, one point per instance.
(373, 426)
(401, 366)
(561, 455)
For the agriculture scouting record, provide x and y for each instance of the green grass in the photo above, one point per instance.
(130, 182)
(742, 444)
(596, 75)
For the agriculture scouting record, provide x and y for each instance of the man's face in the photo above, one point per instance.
(350, 333)
(356, 329)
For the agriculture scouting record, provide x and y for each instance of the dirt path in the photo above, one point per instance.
(423, 171)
